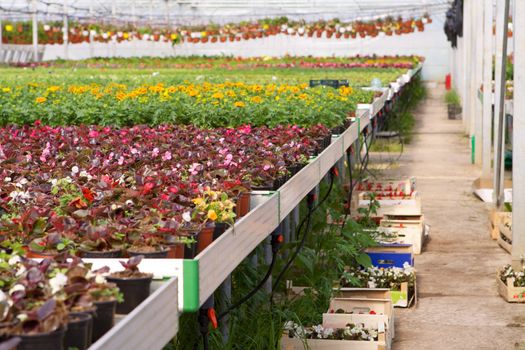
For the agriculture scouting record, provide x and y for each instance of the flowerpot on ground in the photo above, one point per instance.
(243, 204)
(77, 333)
(454, 112)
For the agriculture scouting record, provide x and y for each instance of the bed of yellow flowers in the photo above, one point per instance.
(203, 104)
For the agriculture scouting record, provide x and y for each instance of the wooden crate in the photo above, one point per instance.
(406, 234)
(396, 206)
(400, 298)
(496, 218)
(405, 185)
(510, 293)
(288, 343)
(341, 320)
(505, 237)
(382, 307)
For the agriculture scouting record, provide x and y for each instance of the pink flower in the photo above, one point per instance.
(94, 133)
(166, 156)
(155, 152)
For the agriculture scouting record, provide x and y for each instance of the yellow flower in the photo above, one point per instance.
(218, 95)
(8, 28)
(174, 36)
(40, 99)
(212, 215)
(239, 104)
(125, 35)
(6, 89)
(198, 201)
(256, 99)
(53, 88)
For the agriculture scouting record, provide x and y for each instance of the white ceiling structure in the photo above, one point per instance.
(172, 12)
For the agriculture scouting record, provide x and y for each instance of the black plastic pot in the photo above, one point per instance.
(77, 332)
(44, 341)
(219, 229)
(135, 291)
(151, 255)
(103, 318)
(101, 255)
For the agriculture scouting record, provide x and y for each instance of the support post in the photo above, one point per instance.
(466, 64)
(502, 20)
(478, 71)
(226, 291)
(487, 91)
(66, 31)
(35, 32)
(518, 154)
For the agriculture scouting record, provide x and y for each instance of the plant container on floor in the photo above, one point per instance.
(401, 282)
(352, 336)
(134, 285)
(511, 284)
(505, 236)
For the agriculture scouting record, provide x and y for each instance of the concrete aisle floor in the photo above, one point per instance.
(458, 307)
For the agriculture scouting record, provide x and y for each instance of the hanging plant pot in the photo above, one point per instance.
(77, 334)
(353, 35)
(362, 34)
(223, 39)
(44, 341)
(204, 39)
(103, 318)
(338, 35)
(232, 38)
(213, 39)
(310, 34)
(238, 38)
(389, 33)
(346, 35)
(319, 33)
(204, 238)
(109, 254)
(135, 291)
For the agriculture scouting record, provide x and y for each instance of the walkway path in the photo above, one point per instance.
(458, 306)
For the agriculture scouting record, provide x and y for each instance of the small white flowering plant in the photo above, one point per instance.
(517, 276)
(351, 331)
(378, 277)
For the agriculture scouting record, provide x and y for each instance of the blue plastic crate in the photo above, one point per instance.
(391, 255)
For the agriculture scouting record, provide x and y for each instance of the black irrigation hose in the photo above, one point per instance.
(252, 292)
(311, 209)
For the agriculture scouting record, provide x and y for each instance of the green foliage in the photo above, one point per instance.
(401, 118)
(452, 98)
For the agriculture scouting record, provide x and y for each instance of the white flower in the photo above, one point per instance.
(15, 259)
(22, 317)
(7, 179)
(16, 288)
(100, 279)
(21, 270)
(186, 216)
(46, 27)
(58, 282)
(328, 332)
(75, 170)
(129, 203)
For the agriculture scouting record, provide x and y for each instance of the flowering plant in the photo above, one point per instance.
(378, 277)
(350, 332)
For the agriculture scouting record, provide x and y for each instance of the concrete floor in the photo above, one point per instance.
(458, 307)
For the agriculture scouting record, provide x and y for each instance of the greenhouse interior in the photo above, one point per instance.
(264, 174)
